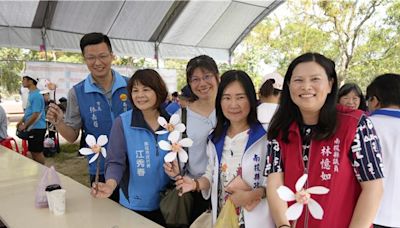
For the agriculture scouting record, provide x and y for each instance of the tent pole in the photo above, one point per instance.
(230, 60)
(156, 54)
(44, 42)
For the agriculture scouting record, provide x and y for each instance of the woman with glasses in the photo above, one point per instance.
(350, 95)
(202, 77)
(327, 156)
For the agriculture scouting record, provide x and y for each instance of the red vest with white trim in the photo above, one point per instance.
(330, 166)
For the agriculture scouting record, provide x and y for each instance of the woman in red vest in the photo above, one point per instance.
(324, 160)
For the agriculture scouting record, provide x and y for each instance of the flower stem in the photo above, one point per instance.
(180, 170)
(96, 179)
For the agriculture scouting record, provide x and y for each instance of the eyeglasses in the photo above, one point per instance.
(92, 59)
(206, 78)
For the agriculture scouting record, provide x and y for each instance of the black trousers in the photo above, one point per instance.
(200, 205)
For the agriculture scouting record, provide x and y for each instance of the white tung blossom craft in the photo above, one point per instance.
(175, 147)
(173, 125)
(95, 147)
(302, 197)
(175, 128)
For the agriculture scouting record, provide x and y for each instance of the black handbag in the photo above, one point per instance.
(176, 210)
(24, 135)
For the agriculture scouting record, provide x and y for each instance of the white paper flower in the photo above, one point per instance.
(302, 197)
(95, 147)
(175, 147)
(173, 125)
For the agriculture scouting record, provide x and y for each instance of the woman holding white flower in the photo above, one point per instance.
(323, 159)
(202, 76)
(236, 151)
(134, 160)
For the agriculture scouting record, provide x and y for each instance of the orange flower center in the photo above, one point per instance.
(96, 148)
(175, 147)
(302, 197)
(170, 127)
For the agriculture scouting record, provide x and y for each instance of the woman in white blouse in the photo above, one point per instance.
(236, 150)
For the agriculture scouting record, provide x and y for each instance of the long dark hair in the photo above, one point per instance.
(347, 88)
(267, 89)
(226, 79)
(288, 111)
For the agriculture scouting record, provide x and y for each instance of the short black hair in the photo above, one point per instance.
(149, 78)
(203, 62)
(347, 88)
(175, 94)
(386, 89)
(94, 38)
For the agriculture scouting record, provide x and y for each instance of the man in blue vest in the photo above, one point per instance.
(95, 102)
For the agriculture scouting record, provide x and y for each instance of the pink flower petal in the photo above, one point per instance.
(183, 156)
(85, 151)
(102, 140)
(294, 211)
(319, 190)
(286, 194)
(186, 142)
(300, 182)
(164, 145)
(90, 140)
(175, 119)
(170, 157)
(315, 209)
(93, 158)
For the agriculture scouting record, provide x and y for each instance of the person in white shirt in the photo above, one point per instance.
(384, 104)
(269, 94)
(236, 151)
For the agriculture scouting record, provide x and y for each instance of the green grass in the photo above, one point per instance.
(70, 164)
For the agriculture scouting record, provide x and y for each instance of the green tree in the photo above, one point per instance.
(10, 69)
(349, 32)
(348, 21)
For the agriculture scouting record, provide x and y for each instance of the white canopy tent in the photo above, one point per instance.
(154, 29)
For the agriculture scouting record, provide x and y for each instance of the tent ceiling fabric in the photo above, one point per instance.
(175, 29)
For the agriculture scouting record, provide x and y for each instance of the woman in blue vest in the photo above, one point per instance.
(134, 161)
(236, 150)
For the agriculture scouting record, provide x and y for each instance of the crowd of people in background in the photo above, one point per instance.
(300, 152)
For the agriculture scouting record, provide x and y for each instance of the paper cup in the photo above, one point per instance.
(49, 201)
(57, 197)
